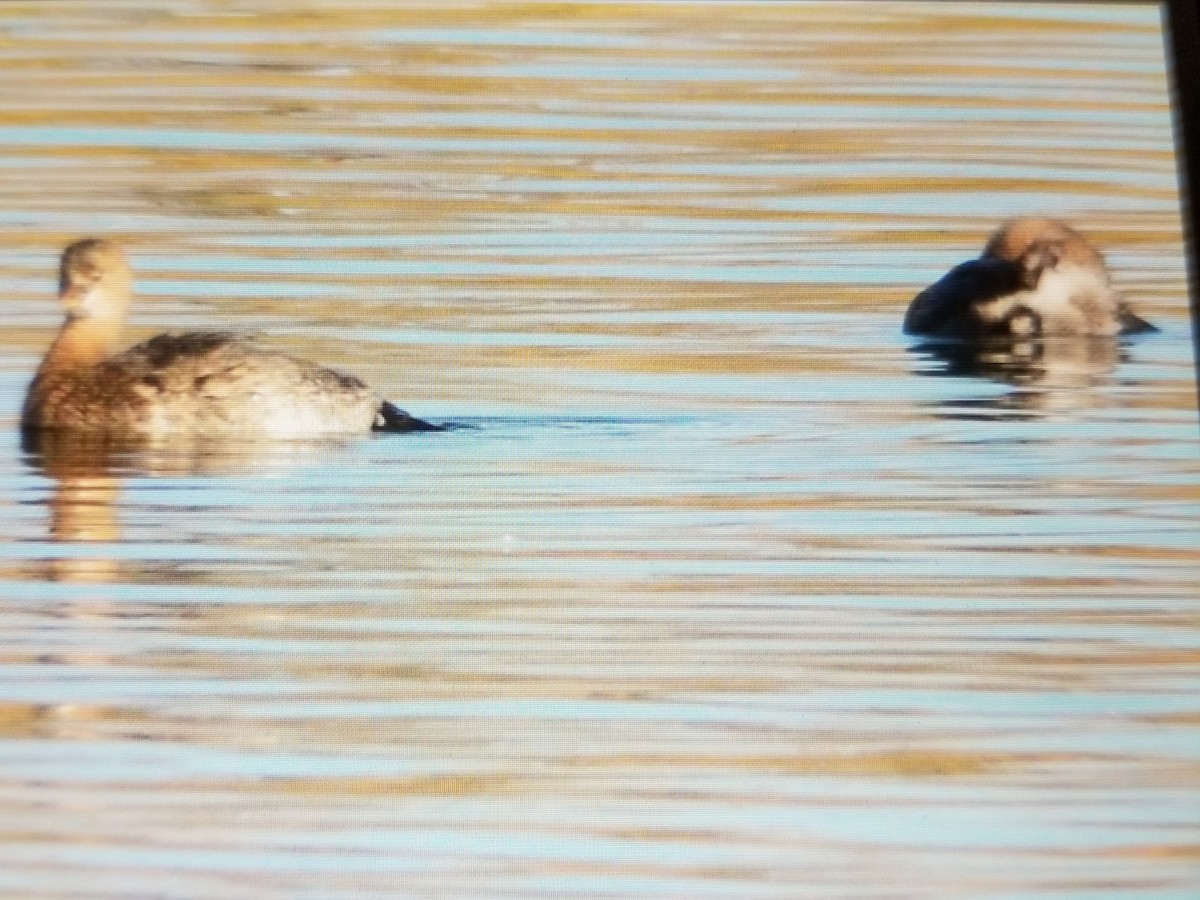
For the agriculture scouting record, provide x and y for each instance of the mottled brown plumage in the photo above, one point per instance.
(208, 384)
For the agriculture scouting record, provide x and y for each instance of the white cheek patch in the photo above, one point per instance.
(999, 309)
(95, 303)
(1067, 298)
(1077, 299)
(1058, 286)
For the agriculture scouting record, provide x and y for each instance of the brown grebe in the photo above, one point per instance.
(200, 384)
(1035, 277)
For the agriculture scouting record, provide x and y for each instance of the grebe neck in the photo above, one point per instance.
(82, 341)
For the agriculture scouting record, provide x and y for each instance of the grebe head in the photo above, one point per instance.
(1039, 257)
(95, 280)
(1019, 238)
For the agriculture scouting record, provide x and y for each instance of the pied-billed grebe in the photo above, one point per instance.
(1036, 277)
(201, 384)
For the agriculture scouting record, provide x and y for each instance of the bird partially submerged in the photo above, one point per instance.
(1036, 277)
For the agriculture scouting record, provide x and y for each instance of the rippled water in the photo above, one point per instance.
(730, 590)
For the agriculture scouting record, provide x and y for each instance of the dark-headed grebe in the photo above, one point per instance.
(1036, 277)
(202, 384)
